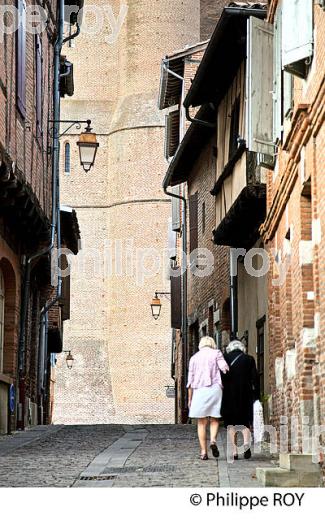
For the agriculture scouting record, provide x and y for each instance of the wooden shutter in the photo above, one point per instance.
(21, 59)
(297, 33)
(39, 76)
(193, 221)
(259, 85)
(176, 302)
(277, 78)
(176, 210)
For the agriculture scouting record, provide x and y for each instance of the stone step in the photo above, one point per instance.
(279, 477)
(298, 462)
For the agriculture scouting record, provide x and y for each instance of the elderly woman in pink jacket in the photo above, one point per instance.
(205, 392)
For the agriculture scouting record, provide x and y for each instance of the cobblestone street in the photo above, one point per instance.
(118, 456)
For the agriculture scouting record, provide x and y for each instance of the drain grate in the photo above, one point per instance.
(99, 477)
(136, 469)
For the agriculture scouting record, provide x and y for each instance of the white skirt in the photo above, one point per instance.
(206, 402)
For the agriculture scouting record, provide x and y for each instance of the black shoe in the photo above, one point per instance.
(236, 457)
(204, 456)
(215, 451)
(247, 454)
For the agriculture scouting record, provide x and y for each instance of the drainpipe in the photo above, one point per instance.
(198, 121)
(233, 294)
(184, 244)
(44, 320)
(184, 277)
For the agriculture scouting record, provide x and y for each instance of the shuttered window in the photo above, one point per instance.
(172, 136)
(297, 35)
(176, 314)
(193, 221)
(39, 76)
(259, 86)
(21, 58)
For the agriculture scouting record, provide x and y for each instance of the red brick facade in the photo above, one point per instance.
(294, 231)
(26, 136)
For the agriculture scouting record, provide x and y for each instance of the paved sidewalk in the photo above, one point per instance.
(10, 443)
(57, 458)
(118, 456)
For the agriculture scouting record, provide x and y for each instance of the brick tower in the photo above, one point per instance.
(122, 356)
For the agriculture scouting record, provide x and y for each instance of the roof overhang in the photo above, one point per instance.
(70, 229)
(190, 148)
(224, 54)
(172, 73)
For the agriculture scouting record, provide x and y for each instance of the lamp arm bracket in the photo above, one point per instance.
(162, 293)
(72, 123)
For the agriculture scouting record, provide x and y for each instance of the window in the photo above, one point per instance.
(21, 58)
(2, 316)
(39, 87)
(67, 158)
(234, 129)
(297, 36)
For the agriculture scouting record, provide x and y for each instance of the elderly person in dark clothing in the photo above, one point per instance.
(241, 390)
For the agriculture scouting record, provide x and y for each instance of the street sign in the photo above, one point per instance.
(12, 398)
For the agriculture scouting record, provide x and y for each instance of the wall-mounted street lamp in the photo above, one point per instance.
(87, 147)
(156, 304)
(69, 359)
(87, 142)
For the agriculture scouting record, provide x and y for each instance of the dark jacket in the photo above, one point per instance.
(241, 389)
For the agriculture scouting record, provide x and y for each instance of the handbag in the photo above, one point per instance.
(258, 422)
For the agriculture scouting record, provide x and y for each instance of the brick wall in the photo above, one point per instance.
(215, 287)
(295, 230)
(18, 135)
(123, 356)
(210, 13)
(27, 156)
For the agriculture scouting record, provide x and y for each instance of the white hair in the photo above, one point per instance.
(207, 341)
(235, 345)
